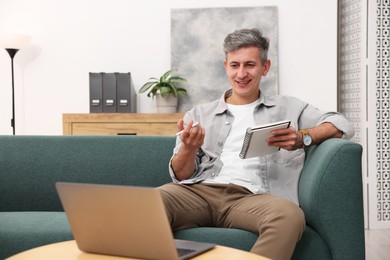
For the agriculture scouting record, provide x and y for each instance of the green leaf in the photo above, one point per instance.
(165, 85)
(165, 91)
(181, 91)
(153, 92)
(146, 86)
(177, 80)
(165, 77)
(173, 90)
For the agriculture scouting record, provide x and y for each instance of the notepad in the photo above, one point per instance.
(255, 141)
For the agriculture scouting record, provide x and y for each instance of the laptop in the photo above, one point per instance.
(123, 221)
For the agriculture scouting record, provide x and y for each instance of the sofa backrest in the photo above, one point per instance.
(31, 165)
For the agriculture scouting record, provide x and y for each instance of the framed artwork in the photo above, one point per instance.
(197, 37)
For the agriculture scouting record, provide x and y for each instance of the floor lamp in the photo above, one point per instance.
(13, 43)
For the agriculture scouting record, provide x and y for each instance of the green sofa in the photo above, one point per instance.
(31, 215)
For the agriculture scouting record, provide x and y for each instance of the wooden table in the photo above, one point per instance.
(69, 250)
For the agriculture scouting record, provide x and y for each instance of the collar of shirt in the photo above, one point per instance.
(222, 106)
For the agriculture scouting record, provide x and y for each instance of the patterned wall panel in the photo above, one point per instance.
(382, 109)
(361, 85)
(351, 82)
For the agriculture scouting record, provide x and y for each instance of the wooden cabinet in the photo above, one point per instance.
(117, 123)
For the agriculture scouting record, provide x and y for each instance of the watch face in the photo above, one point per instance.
(307, 140)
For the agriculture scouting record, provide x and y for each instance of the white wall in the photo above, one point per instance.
(74, 37)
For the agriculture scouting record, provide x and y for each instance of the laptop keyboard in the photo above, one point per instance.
(184, 251)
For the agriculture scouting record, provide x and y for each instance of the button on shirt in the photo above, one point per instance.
(279, 172)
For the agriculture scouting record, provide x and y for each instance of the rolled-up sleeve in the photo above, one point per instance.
(341, 123)
(312, 116)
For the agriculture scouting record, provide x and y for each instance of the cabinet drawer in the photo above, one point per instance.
(113, 124)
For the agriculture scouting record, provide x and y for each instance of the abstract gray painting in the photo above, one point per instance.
(197, 48)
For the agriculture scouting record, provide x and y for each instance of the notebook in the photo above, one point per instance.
(255, 143)
(123, 221)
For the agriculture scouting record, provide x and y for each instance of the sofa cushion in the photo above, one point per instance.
(236, 238)
(21, 231)
(31, 166)
(311, 246)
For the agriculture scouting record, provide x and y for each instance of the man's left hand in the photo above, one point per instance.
(289, 139)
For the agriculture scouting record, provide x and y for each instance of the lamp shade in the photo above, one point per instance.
(14, 41)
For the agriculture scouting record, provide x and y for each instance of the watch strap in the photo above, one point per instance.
(304, 131)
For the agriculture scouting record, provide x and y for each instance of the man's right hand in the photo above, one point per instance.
(192, 137)
(183, 163)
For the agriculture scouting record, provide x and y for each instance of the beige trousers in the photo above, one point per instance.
(279, 222)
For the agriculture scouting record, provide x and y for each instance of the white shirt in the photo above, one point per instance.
(235, 170)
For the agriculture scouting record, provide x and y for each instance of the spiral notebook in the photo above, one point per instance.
(255, 143)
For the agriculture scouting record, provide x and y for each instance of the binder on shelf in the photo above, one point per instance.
(95, 93)
(126, 98)
(255, 143)
(133, 98)
(109, 93)
(112, 93)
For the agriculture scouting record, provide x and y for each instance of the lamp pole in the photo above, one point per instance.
(12, 53)
(12, 43)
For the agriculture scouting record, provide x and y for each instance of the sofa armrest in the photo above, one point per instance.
(331, 195)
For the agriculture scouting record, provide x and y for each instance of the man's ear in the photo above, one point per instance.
(267, 65)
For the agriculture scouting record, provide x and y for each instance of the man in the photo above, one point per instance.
(212, 186)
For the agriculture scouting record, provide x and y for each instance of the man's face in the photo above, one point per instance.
(244, 71)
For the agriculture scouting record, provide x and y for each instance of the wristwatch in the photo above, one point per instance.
(306, 138)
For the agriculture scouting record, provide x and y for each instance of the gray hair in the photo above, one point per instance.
(246, 38)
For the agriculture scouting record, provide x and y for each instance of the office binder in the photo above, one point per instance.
(133, 98)
(95, 93)
(112, 93)
(126, 99)
(255, 143)
(109, 93)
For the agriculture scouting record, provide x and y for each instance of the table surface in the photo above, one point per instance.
(69, 250)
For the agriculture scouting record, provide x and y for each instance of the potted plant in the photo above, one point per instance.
(166, 91)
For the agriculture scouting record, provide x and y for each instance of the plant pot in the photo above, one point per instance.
(167, 104)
